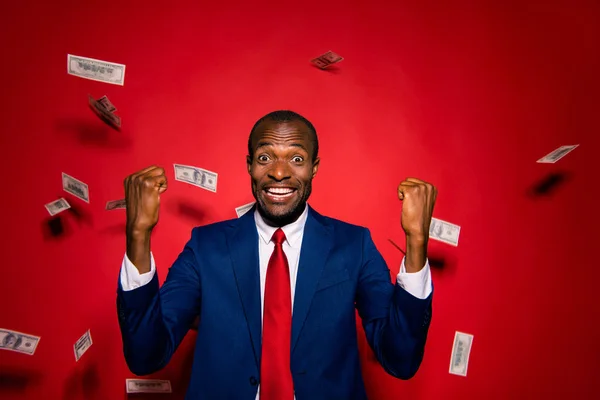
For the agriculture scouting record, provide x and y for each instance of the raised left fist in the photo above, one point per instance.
(418, 199)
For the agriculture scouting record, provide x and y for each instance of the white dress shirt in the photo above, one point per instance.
(417, 284)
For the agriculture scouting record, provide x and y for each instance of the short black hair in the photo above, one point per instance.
(287, 116)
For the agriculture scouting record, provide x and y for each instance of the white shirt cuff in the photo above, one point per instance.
(130, 276)
(416, 283)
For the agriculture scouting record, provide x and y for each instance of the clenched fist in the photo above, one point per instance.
(142, 196)
(418, 199)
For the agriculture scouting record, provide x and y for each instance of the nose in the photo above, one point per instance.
(280, 171)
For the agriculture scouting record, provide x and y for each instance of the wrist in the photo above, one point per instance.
(138, 235)
(416, 241)
(416, 253)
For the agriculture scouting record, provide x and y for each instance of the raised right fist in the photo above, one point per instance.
(142, 196)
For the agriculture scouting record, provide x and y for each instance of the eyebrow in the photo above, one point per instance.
(265, 144)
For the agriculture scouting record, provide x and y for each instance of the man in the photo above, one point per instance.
(276, 290)
(11, 341)
(198, 177)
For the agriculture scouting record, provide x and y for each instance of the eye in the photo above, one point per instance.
(297, 159)
(263, 158)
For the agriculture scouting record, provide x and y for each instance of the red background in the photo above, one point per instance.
(465, 96)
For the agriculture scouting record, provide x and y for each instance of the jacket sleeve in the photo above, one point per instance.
(154, 321)
(395, 322)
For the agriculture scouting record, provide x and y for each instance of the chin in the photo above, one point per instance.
(280, 215)
(277, 214)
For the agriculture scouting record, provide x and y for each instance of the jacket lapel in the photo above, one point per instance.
(316, 243)
(243, 247)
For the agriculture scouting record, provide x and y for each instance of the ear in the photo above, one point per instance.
(248, 163)
(315, 166)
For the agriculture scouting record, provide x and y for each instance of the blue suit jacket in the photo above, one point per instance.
(216, 277)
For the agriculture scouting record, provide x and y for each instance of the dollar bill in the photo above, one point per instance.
(57, 206)
(96, 70)
(105, 102)
(75, 187)
(241, 210)
(106, 116)
(148, 386)
(196, 176)
(444, 231)
(17, 341)
(327, 59)
(460, 353)
(115, 205)
(82, 345)
(557, 154)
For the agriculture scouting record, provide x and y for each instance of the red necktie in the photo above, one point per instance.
(275, 373)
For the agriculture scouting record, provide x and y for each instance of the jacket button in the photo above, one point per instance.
(253, 381)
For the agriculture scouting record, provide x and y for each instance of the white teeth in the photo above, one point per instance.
(280, 190)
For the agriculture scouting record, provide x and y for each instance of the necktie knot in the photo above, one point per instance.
(278, 237)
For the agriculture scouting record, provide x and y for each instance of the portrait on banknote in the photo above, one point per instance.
(11, 340)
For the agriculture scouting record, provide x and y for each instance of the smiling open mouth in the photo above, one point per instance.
(279, 193)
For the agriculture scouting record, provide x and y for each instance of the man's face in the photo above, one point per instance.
(10, 340)
(281, 169)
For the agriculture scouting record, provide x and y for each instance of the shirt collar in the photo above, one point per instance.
(293, 232)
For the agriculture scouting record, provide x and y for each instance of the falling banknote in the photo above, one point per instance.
(444, 231)
(327, 59)
(115, 205)
(148, 386)
(105, 102)
(17, 341)
(557, 154)
(241, 210)
(102, 112)
(196, 176)
(76, 187)
(460, 353)
(57, 206)
(82, 345)
(96, 70)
